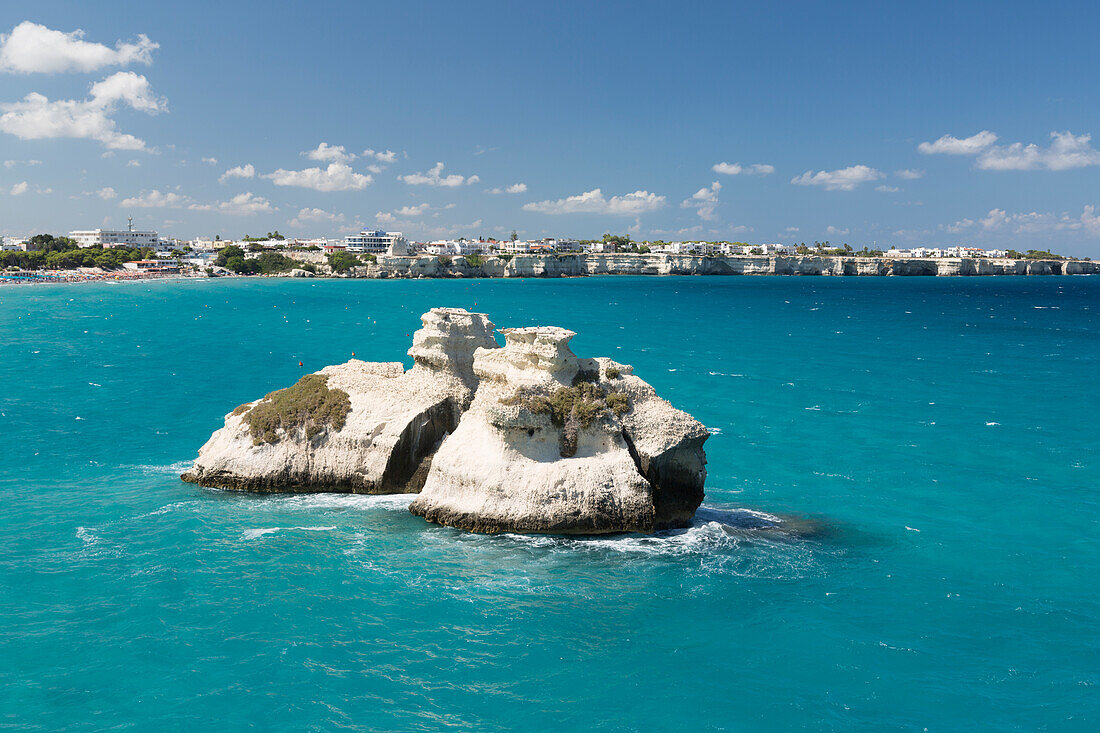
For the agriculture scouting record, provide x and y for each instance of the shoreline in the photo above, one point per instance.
(586, 265)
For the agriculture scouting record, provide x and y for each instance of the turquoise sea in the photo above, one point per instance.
(935, 441)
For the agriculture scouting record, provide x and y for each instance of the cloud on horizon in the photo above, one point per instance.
(842, 179)
(435, 177)
(594, 202)
(736, 169)
(1066, 151)
(336, 177)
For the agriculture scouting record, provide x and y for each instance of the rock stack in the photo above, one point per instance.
(524, 438)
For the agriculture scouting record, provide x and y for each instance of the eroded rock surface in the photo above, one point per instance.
(556, 444)
(525, 438)
(383, 444)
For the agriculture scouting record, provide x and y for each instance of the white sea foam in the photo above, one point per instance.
(251, 534)
(342, 501)
(172, 468)
(87, 536)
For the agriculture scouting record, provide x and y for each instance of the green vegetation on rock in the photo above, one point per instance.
(343, 261)
(583, 403)
(309, 405)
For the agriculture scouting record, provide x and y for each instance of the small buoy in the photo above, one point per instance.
(299, 363)
(353, 353)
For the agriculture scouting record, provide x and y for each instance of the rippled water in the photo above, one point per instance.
(900, 531)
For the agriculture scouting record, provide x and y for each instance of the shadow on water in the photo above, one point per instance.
(745, 522)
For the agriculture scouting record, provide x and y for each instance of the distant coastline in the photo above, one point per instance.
(580, 265)
(588, 264)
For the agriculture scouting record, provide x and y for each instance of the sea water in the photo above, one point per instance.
(901, 529)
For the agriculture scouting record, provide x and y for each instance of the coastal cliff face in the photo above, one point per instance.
(557, 444)
(525, 438)
(579, 265)
(357, 427)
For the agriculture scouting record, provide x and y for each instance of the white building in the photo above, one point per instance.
(517, 247)
(600, 247)
(376, 241)
(456, 247)
(108, 238)
(12, 244)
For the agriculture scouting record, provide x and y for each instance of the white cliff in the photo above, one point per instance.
(556, 444)
(357, 427)
(525, 438)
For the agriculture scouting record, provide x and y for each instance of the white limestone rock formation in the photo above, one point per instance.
(357, 427)
(556, 444)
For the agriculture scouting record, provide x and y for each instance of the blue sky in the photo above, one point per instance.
(888, 123)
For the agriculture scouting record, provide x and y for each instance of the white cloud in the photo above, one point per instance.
(210, 161)
(107, 193)
(909, 174)
(1035, 222)
(13, 163)
(243, 204)
(435, 177)
(704, 201)
(325, 153)
(337, 177)
(951, 145)
(842, 179)
(734, 169)
(314, 215)
(33, 48)
(241, 171)
(37, 118)
(835, 231)
(382, 156)
(594, 202)
(155, 200)
(792, 230)
(133, 164)
(417, 210)
(514, 188)
(887, 189)
(959, 226)
(19, 189)
(383, 217)
(1066, 151)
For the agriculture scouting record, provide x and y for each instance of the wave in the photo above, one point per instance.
(341, 501)
(172, 468)
(252, 534)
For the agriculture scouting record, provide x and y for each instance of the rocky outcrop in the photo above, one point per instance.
(525, 438)
(357, 427)
(556, 444)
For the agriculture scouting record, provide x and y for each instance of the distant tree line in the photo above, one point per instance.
(233, 258)
(62, 253)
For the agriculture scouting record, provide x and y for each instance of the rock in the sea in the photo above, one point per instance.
(525, 438)
(556, 444)
(358, 427)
